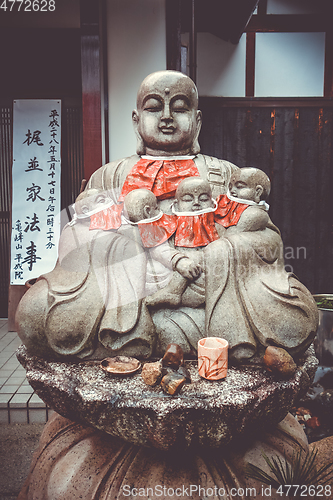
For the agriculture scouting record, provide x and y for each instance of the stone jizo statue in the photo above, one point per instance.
(96, 302)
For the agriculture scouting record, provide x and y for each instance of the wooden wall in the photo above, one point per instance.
(292, 142)
(5, 202)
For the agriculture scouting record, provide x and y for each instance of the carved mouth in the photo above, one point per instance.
(167, 130)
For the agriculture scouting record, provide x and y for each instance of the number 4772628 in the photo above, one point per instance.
(28, 5)
(307, 491)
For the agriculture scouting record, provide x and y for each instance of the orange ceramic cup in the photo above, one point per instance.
(213, 358)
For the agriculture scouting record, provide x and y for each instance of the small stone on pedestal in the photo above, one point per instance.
(172, 383)
(279, 361)
(152, 373)
(182, 370)
(173, 357)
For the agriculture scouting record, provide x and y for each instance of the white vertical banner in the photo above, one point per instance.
(36, 188)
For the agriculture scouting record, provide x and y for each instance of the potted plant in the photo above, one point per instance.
(324, 339)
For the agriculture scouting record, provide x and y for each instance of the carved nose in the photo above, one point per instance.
(166, 115)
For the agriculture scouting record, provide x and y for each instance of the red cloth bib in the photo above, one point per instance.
(109, 218)
(195, 230)
(192, 230)
(228, 212)
(199, 230)
(162, 177)
(159, 231)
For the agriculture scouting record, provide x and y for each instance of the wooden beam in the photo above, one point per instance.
(226, 19)
(105, 87)
(193, 42)
(250, 63)
(91, 86)
(289, 23)
(262, 8)
(328, 74)
(173, 34)
(266, 102)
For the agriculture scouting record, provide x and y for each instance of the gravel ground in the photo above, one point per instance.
(17, 444)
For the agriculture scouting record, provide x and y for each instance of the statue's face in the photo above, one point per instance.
(243, 185)
(167, 118)
(193, 195)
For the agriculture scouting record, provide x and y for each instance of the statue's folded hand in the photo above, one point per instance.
(188, 268)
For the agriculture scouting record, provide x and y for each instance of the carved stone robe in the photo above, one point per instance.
(92, 303)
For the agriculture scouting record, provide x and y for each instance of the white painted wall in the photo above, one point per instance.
(221, 66)
(136, 46)
(289, 64)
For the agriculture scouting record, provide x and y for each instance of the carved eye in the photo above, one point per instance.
(180, 106)
(204, 197)
(152, 105)
(187, 198)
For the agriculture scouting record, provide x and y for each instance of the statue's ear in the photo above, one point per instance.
(146, 211)
(195, 144)
(140, 147)
(258, 192)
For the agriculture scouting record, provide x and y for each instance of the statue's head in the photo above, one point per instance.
(140, 204)
(167, 121)
(194, 194)
(249, 183)
(91, 200)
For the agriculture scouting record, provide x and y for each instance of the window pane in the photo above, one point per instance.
(289, 64)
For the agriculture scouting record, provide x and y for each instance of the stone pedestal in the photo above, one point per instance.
(77, 462)
(206, 413)
(119, 438)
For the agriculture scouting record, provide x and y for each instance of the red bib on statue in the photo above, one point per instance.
(228, 212)
(195, 230)
(162, 177)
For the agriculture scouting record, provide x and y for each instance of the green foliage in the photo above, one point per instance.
(302, 470)
(324, 303)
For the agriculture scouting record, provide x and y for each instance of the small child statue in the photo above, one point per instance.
(90, 202)
(251, 186)
(193, 227)
(155, 228)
